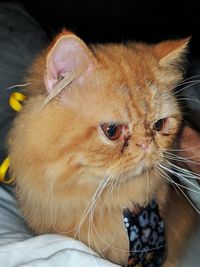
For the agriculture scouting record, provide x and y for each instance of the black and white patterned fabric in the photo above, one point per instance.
(146, 233)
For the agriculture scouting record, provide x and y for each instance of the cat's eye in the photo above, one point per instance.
(159, 125)
(112, 131)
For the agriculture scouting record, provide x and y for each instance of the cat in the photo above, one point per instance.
(90, 137)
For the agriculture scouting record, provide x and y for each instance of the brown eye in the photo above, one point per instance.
(112, 131)
(159, 125)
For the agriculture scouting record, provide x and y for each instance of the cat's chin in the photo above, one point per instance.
(139, 169)
(145, 164)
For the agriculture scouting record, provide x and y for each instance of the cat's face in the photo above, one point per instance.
(123, 122)
(115, 118)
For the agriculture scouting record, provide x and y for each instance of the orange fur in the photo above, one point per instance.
(59, 155)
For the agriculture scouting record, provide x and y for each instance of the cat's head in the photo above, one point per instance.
(100, 110)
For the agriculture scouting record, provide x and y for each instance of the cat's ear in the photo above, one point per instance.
(171, 53)
(68, 55)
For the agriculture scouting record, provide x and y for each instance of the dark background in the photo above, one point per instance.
(119, 20)
(102, 21)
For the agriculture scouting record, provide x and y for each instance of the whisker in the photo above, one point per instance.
(166, 177)
(51, 198)
(187, 172)
(188, 199)
(147, 250)
(17, 85)
(108, 244)
(91, 227)
(175, 158)
(179, 187)
(148, 185)
(182, 177)
(54, 225)
(182, 98)
(186, 87)
(93, 202)
(181, 159)
(187, 84)
(133, 251)
(188, 79)
(179, 169)
(106, 197)
(180, 149)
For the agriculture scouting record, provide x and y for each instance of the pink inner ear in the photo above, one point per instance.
(66, 56)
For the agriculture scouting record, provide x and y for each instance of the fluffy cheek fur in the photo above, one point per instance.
(76, 151)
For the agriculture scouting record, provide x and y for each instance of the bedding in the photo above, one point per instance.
(19, 247)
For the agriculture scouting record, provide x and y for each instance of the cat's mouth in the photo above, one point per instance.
(146, 162)
(137, 170)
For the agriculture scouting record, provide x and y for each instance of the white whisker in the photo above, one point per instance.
(181, 177)
(17, 85)
(148, 181)
(191, 203)
(186, 87)
(166, 177)
(180, 149)
(189, 79)
(188, 99)
(181, 159)
(187, 172)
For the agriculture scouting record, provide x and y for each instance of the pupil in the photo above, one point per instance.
(159, 125)
(111, 130)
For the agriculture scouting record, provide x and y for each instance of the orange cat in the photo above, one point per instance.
(90, 138)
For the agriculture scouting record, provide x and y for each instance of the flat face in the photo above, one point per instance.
(118, 119)
(123, 113)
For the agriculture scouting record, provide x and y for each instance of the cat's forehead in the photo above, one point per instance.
(129, 86)
(133, 79)
(124, 88)
(109, 97)
(131, 67)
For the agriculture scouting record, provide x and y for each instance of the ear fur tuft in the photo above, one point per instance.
(68, 54)
(171, 53)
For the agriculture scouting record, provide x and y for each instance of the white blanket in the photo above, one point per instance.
(18, 247)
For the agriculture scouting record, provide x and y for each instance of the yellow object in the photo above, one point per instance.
(15, 102)
(3, 170)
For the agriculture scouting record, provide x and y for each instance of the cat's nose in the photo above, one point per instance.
(144, 144)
